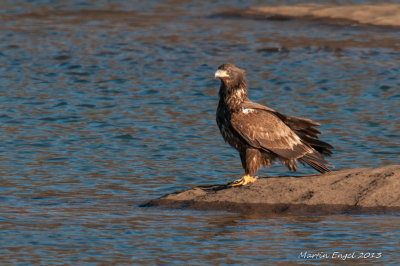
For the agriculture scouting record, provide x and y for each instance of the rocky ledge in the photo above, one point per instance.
(353, 190)
(386, 15)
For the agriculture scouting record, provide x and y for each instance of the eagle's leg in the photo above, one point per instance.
(246, 179)
(251, 160)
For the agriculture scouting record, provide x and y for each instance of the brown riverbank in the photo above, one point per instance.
(377, 15)
(353, 190)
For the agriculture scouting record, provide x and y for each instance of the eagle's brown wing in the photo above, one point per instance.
(304, 128)
(264, 130)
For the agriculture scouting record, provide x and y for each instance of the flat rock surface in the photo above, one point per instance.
(377, 15)
(364, 189)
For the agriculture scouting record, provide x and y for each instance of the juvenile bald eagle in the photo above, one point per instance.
(261, 134)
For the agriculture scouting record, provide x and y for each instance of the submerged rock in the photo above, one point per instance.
(353, 190)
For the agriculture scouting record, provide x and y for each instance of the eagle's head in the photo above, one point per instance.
(233, 81)
(230, 74)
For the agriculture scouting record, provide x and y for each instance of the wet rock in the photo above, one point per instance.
(353, 190)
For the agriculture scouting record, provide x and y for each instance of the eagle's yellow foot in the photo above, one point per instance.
(246, 179)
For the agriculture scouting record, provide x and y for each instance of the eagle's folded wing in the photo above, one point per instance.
(263, 129)
(302, 127)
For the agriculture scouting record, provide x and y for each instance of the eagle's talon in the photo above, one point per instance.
(244, 180)
(237, 183)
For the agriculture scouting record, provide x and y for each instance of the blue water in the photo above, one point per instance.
(105, 105)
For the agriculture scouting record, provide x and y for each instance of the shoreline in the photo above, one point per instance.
(380, 15)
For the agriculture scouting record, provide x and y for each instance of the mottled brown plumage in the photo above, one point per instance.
(261, 134)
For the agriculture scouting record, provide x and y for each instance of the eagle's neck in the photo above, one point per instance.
(233, 96)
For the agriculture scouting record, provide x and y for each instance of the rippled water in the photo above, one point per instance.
(105, 105)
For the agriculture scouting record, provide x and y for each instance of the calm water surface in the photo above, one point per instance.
(104, 105)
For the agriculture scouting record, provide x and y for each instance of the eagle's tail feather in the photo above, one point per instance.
(319, 145)
(316, 161)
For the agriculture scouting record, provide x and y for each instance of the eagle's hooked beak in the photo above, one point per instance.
(221, 74)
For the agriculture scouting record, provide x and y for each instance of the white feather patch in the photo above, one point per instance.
(247, 110)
